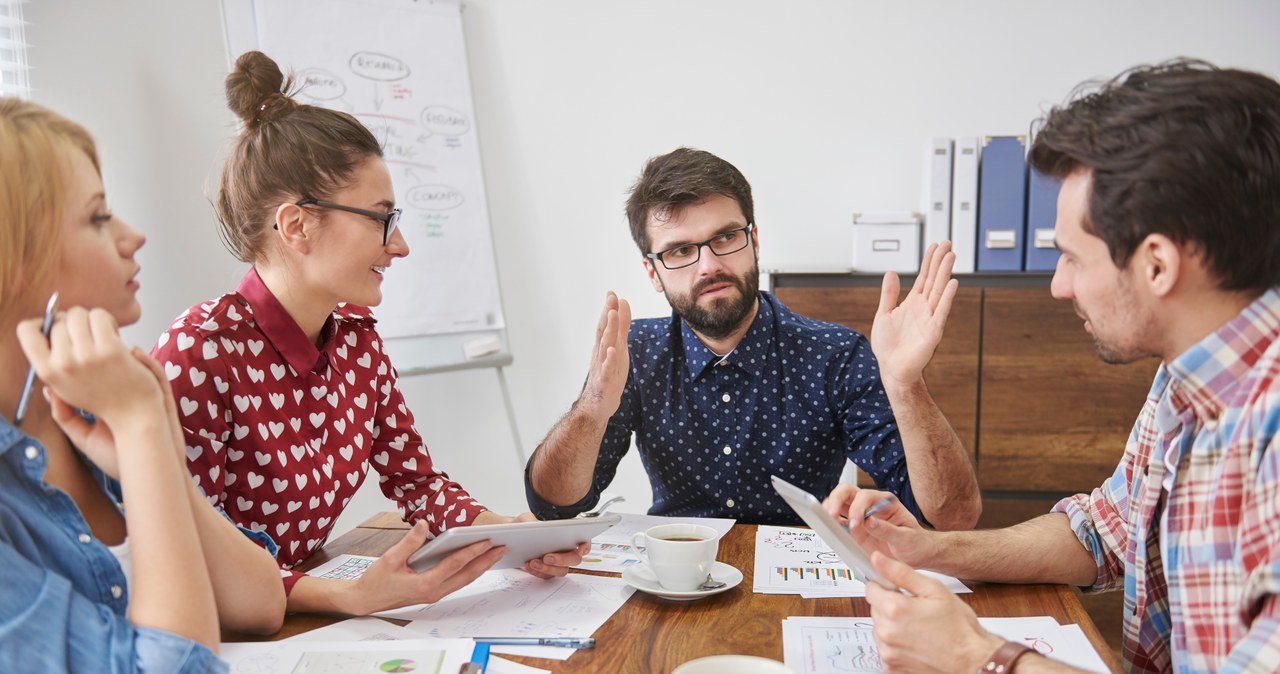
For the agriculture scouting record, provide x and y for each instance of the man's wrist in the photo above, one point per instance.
(904, 388)
(1004, 658)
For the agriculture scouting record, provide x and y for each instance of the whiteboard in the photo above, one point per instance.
(399, 66)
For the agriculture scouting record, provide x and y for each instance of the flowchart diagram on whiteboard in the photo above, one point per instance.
(400, 68)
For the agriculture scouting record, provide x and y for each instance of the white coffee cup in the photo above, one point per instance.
(680, 555)
(732, 664)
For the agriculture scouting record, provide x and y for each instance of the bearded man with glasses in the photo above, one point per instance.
(733, 387)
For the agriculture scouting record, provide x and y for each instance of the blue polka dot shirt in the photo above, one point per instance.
(794, 399)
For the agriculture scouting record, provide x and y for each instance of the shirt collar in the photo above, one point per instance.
(1205, 376)
(746, 356)
(280, 328)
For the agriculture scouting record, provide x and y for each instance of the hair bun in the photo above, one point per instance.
(257, 91)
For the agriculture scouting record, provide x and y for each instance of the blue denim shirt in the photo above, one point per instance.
(63, 596)
(794, 399)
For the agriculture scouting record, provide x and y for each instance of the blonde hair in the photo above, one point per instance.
(33, 143)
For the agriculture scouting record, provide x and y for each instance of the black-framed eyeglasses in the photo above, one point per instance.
(389, 220)
(724, 243)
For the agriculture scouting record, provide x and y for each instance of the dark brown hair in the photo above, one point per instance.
(1183, 149)
(286, 151)
(680, 178)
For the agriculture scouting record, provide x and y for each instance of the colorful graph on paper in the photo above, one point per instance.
(796, 561)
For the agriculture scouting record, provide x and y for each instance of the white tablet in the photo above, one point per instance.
(829, 530)
(524, 540)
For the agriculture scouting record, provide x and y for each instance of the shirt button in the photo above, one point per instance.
(32, 453)
(725, 397)
(729, 503)
(84, 538)
(116, 591)
(728, 451)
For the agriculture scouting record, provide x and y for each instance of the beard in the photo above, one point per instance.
(1115, 351)
(724, 315)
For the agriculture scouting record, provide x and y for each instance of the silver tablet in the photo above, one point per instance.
(829, 530)
(524, 540)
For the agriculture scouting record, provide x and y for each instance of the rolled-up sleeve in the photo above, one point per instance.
(1100, 519)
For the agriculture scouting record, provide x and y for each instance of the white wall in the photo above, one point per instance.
(823, 104)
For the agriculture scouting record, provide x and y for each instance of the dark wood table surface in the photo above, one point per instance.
(650, 635)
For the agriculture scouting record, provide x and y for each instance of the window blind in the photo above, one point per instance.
(13, 51)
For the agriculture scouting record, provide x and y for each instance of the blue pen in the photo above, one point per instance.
(565, 642)
(479, 660)
(878, 506)
(30, 384)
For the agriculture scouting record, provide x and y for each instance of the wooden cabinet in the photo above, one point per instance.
(1018, 378)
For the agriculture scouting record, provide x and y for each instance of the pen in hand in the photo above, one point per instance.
(877, 507)
(29, 385)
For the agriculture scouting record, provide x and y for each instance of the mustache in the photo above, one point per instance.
(722, 278)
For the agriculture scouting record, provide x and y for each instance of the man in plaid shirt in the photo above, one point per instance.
(1169, 228)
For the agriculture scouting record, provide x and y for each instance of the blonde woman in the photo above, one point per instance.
(112, 559)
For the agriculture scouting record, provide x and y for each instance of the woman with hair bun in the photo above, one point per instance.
(285, 395)
(112, 559)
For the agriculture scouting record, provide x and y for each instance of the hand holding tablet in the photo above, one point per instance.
(830, 531)
(524, 540)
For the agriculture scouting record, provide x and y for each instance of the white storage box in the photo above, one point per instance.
(880, 246)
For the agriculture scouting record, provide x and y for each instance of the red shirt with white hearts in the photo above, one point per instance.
(279, 433)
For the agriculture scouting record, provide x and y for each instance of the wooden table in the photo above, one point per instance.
(652, 635)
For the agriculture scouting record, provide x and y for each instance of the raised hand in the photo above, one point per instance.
(904, 335)
(610, 359)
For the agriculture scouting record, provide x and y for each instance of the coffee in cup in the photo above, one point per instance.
(680, 555)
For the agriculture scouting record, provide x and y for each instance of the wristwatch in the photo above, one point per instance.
(1001, 662)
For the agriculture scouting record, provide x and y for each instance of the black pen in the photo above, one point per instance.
(29, 385)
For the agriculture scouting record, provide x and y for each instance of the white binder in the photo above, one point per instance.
(964, 204)
(935, 195)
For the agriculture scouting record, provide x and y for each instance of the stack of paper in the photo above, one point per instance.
(510, 602)
(345, 649)
(421, 656)
(797, 561)
(813, 645)
(507, 602)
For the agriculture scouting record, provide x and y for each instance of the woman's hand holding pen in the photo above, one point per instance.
(84, 364)
(878, 522)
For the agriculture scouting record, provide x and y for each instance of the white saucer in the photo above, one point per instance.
(641, 577)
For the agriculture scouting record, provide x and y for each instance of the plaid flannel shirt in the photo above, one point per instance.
(1216, 408)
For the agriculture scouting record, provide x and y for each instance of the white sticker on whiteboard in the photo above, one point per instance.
(483, 346)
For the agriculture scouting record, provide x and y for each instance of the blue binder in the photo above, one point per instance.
(1042, 213)
(1002, 203)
